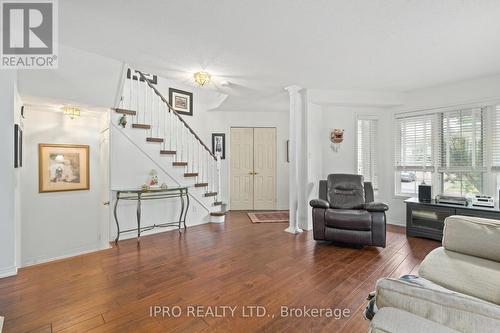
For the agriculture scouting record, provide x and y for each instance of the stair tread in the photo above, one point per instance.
(218, 203)
(154, 139)
(191, 174)
(210, 194)
(218, 213)
(179, 163)
(125, 111)
(142, 126)
(168, 152)
(201, 185)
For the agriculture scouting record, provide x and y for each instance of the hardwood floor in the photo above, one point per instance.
(235, 264)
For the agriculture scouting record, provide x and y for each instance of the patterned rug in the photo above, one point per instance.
(269, 217)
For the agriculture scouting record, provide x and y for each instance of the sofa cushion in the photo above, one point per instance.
(425, 299)
(473, 236)
(392, 320)
(346, 191)
(463, 273)
(348, 219)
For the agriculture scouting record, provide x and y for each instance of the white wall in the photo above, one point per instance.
(59, 224)
(8, 264)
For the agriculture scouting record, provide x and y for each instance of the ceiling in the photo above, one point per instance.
(262, 46)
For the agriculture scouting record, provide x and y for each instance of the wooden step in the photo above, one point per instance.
(125, 111)
(191, 174)
(179, 163)
(168, 152)
(142, 126)
(210, 194)
(201, 185)
(154, 140)
(217, 213)
(218, 203)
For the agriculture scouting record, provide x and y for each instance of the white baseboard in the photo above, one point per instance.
(133, 234)
(8, 271)
(72, 253)
(397, 222)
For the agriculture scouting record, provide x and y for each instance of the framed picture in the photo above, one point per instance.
(18, 146)
(219, 145)
(181, 101)
(63, 167)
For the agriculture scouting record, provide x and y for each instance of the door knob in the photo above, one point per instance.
(106, 203)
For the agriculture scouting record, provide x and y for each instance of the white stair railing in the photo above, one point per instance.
(165, 123)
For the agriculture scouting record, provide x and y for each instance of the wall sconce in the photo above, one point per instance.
(202, 78)
(71, 111)
(336, 137)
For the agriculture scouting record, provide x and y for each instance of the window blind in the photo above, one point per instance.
(495, 144)
(414, 143)
(462, 141)
(367, 150)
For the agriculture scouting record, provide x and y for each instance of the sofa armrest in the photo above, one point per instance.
(319, 203)
(392, 320)
(473, 236)
(375, 207)
(428, 300)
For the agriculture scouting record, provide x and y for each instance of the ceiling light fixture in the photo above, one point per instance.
(71, 111)
(202, 78)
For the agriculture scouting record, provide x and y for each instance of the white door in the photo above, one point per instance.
(264, 148)
(241, 168)
(253, 168)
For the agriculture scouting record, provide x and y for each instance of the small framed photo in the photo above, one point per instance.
(219, 145)
(18, 146)
(181, 101)
(63, 167)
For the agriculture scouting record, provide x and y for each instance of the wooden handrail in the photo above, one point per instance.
(171, 109)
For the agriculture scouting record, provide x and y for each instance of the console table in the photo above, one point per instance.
(140, 195)
(426, 219)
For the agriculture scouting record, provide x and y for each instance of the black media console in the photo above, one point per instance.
(426, 219)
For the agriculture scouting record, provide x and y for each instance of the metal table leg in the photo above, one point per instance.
(116, 218)
(187, 208)
(182, 210)
(138, 217)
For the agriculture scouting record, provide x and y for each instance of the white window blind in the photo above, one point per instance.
(495, 145)
(414, 143)
(367, 150)
(462, 141)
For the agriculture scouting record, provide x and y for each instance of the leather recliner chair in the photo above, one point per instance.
(346, 212)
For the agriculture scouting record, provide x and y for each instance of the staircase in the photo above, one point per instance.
(147, 110)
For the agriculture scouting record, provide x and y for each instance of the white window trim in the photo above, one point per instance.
(356, 145)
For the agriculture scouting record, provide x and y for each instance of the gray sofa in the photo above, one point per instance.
(458, 288)
(346, 212)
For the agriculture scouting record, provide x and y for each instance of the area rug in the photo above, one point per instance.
(269, 217)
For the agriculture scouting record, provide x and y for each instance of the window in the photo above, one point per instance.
(461, 152)
(367, 149)
(496, 139)
(447, 148)
(414, 153)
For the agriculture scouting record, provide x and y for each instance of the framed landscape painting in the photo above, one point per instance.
(63, 167)
(181, 101)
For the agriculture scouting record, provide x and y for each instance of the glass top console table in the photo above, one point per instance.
(140, 195)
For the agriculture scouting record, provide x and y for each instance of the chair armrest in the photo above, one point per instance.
(319, 203)
(376, 207)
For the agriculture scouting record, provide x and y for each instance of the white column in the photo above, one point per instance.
(294, 153)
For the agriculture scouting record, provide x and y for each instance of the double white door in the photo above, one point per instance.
(253, 168)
